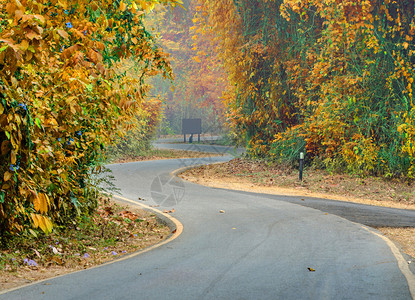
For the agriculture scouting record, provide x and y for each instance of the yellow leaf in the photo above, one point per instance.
(1, 108)
(49, 224)
(43, 203)
(13, 157)
(42, 223)
(197, 59)
(134, 6)
(7, 176)
(63, 4)
(405, 45)
(123, 6)
(35, 220)
(24, 45)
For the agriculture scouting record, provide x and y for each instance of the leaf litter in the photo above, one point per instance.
(114, 230)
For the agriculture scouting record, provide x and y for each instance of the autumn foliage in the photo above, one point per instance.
(198, 74)
(63, 96)
(332, 78)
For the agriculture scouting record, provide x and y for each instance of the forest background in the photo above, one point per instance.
(330, 78)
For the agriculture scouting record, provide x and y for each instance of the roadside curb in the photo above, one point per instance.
(176, 228)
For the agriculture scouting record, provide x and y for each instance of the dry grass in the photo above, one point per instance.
(405, 237)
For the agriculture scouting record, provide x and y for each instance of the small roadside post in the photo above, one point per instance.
(301, 165)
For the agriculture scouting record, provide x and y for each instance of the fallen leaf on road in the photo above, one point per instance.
(311, 269)
(222, 211)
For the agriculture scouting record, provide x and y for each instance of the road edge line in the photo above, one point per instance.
(402, 263)
(176, 232)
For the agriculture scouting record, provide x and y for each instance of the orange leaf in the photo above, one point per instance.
(123, 6)
(63, 33)
(7, 176)
(13, 157)
(36, 202)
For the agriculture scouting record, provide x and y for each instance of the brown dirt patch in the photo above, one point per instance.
(404, 237)
(129, 236)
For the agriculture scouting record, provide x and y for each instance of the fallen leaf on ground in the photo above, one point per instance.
(222, 211)
(311, 269)
(36, 252)
(129, 215)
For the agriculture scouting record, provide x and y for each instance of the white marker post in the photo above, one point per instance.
(301, 165)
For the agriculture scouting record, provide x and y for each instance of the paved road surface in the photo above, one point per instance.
(260, 248)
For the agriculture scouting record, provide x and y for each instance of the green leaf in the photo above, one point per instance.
(2, 196)
(74, 201)
(4, 48)
(38, 123)
(32, 232)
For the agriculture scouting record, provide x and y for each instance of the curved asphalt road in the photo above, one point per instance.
(260, 248)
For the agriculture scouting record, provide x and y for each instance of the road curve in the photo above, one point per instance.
(256, 248)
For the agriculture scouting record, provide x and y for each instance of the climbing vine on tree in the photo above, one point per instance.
(332, 78)
(63, 97)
